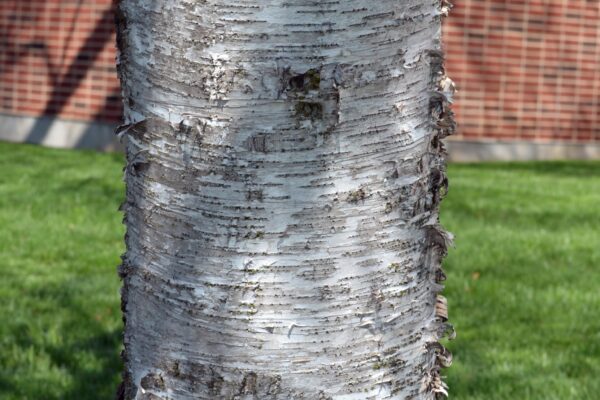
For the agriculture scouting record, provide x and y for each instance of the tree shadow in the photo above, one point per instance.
(69, 82)
(86, 352)
(91, 383)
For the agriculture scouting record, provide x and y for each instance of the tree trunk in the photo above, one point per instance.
(283, 182)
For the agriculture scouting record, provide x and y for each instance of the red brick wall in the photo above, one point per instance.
(526, 69)
(57, 57)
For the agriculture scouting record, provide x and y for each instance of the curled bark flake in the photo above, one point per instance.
(153, 381)
(448, 331)
(438, 104)
(441, 308)
(134, 130)
(442, 120)
(438, 184)
(442, 354)
(438, 237)
(436, 62)
(436, 385)
(446, 7)
(440, 275)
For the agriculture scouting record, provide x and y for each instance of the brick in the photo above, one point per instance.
(53, 47)
(525, 69)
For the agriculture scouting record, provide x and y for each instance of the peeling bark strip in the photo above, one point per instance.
(283, 181)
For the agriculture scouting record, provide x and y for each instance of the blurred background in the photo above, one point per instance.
(523, 283)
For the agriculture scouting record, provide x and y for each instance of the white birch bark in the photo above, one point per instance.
(283, 181)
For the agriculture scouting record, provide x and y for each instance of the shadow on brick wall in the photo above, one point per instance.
(62, 80)
(71, 80)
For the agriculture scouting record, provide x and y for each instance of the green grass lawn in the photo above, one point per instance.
(523, 281)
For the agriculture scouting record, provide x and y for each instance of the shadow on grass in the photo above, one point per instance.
(74, 343)
(6, 385)
(90, 383)
(91, 354)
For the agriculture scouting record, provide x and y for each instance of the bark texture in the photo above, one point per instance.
(283, 181)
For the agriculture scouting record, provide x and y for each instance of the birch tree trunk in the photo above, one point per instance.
(283, 182)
